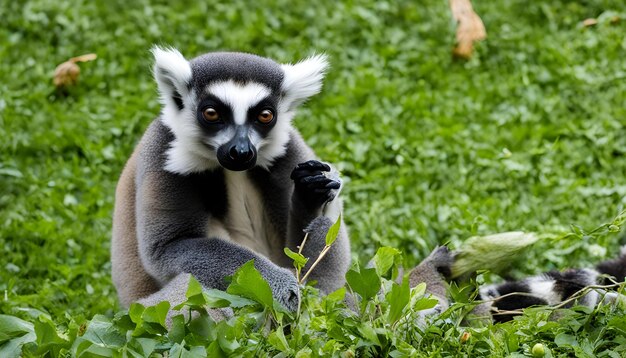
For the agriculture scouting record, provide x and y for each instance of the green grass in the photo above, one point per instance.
(527, 135)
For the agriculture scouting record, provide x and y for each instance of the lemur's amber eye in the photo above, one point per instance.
(210, 114)
(265, 116)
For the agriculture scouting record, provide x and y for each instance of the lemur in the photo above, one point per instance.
(221, 177)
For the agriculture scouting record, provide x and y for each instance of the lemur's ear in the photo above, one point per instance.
(303, 80)
(172, 74)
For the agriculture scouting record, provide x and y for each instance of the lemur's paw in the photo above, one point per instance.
(316, 182)
(285, 289)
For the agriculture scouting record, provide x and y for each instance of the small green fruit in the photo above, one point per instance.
(538, 350)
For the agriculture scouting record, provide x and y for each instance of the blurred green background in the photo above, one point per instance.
(529, 134)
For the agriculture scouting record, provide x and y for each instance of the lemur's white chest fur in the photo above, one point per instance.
(246, 223)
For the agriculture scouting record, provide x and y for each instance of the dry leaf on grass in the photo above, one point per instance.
(590, 22)
(66, 74)
(470, 28)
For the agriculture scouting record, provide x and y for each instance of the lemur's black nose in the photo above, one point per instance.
(241, 152)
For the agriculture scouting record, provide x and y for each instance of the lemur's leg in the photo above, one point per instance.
(175, 293)
(172, 228)
(433, 270)
(315, 206)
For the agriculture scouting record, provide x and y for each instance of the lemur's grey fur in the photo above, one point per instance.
(179, 211)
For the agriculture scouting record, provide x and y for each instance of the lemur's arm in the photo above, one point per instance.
(315, 205)
(171, 226)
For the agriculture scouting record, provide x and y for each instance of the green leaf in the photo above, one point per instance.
(277, 340)
(195, 294)
(298, 259)
(177, 331)
(305, 352)
(365, 282)
(218, 299)
(248, 282)
(13, 347)
(333, 232)
(179, 351)
(203, 328)
(154, 318)
(14, 334)
(227, 337)
(194, 288)
(404, 350)
(100, 339)
(418, 290)
(565, 340)
(135, 311)
(142, 347)
(369, 334)
(47, 337)
(424, 303)
(384, 259)
(398, 298)
(214, 350)
(419, 300)
(337, 295)
(11, 327)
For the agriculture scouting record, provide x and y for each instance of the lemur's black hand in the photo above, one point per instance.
(311, 183)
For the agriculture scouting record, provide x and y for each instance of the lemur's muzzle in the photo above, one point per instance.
(239, 153)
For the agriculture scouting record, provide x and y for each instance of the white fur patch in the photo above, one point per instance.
(612, 298)
(172, 73)
(275, 142)
(591, 299)
(187, 153)
(489, 292)
(239, 97)
(543, 287)
(302, 80)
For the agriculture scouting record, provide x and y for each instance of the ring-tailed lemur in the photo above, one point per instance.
(221, 177)
(505, 300)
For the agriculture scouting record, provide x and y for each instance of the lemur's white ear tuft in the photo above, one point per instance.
(172, 73)
(303, 80)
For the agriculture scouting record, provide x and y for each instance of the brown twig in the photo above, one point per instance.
(306, 235)
(319, 258)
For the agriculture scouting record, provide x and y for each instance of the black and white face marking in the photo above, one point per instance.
(236, 118)
(232, 110)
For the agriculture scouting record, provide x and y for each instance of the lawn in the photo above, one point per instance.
(529, 134)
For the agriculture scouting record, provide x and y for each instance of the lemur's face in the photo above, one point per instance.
(237, 120)
(230, 109)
